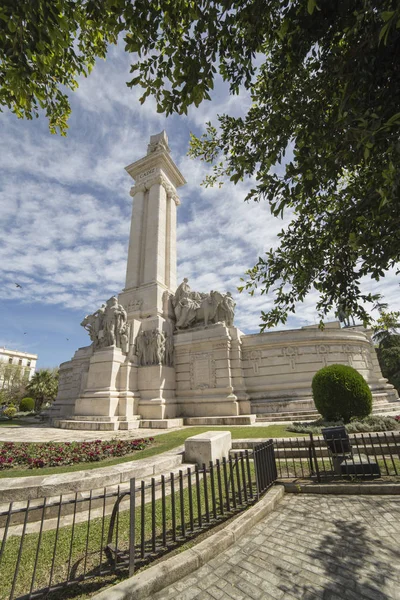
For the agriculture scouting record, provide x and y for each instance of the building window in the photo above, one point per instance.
(20, 362)
(28, 364)
(10, 361)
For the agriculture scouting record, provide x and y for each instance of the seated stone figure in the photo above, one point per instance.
(192, 308)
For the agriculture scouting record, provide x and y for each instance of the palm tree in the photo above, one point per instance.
(386, 327)
(43, 387)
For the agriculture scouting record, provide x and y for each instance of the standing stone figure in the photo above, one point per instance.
(343, 313)
(141, 349)
(169, 351)
(108, 326)
(151, 348)
(228, 309)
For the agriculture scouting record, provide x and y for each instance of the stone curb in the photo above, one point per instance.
(156, 578)
(17, 489)
(366, 489)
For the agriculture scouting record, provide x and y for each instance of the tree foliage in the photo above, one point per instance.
(43, 387)
(321, 138)
(13, 382)
(386, 335)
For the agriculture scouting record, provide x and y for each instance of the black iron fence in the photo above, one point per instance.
(64, 541)
(362, 455)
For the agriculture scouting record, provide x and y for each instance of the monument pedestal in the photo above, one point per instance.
(105, 394)
(157, 392)
(204, 379)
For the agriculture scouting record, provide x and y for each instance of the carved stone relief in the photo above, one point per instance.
(323, 351)
(291, 353)
(155, 347)
(366, 354)
(134, 305)
(192, 308)
(202, 371)
(254, 358)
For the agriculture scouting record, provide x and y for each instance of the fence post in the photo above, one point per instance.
(313, 456)
(132, 526)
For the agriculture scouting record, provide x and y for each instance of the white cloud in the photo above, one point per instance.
(65, 205)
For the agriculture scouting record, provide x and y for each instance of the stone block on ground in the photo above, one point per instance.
(209, 446)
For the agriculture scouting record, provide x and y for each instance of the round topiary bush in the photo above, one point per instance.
(27, 405)
(340, 393)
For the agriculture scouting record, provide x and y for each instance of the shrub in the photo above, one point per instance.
(371, 423)
(10, 412)
(57, 454)
(341, 393)
(27, 405)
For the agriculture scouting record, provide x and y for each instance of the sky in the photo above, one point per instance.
(66, 209)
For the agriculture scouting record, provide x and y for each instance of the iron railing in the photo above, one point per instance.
(362, 455)
(52, 543)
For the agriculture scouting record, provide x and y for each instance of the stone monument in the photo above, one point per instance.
(163, 354)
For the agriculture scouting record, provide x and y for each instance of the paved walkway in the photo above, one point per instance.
(310, 547)
(42, 432)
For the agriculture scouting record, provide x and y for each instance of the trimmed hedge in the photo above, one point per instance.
(27, 405)
(341, 393)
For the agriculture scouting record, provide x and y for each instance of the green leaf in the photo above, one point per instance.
(311, 5)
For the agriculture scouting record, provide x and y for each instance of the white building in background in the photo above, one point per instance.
(19, 359)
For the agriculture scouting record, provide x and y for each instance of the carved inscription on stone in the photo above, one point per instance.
(65, 378)
(146, 174)
(202, 371)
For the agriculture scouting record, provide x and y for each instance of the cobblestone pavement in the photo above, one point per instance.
(44, 433)
(310, 547)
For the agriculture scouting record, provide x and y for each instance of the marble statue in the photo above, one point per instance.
(192, 308)
(154, 347)
(108, 326)
(343, 314)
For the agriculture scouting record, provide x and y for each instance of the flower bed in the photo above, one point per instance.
(54, 454)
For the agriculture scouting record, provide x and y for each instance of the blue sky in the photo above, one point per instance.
(65, 215)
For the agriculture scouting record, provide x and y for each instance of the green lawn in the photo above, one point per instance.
(162, 443)
(62, 556)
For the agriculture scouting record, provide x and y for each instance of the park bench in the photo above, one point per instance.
(345, 461)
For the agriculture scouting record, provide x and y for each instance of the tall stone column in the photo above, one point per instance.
(151, 273)
(133, 274)
(151, 268)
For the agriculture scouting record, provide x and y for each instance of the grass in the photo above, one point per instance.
(89, 539)
(19, 422)
(162, 443)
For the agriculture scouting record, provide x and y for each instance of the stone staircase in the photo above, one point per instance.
(380, 407)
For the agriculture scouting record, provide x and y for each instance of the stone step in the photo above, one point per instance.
(161, 423)
(221, 421)
(379, 408)
(86, 425)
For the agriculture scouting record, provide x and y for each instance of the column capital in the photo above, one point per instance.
(158, 179)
